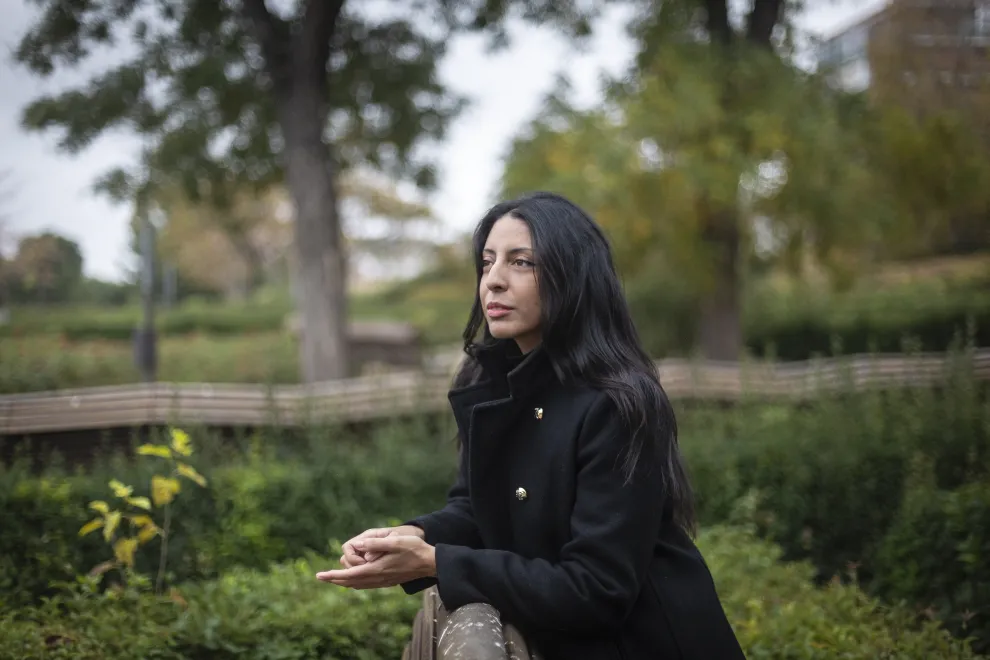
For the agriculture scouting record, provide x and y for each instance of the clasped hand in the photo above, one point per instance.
(383, 557)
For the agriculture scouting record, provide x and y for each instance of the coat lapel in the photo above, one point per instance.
(485, 413)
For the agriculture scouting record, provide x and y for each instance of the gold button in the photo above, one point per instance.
(538, 413)
(521, 493)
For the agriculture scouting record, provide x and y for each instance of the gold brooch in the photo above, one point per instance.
(538, 413)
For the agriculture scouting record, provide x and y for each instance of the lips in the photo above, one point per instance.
(497, 310)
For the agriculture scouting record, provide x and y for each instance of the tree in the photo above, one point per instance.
(931, 96)
(711, 131)
(226, 249)
(712, 137)
(239, 92)
(234, 248)
(47, 268)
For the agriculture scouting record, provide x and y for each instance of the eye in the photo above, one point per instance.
(525, 263)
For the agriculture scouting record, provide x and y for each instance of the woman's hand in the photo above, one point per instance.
(399, 558)
(353, 557)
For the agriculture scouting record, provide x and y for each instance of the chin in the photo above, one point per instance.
(501, 330)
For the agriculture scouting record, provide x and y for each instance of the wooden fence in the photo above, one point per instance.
(386, 395)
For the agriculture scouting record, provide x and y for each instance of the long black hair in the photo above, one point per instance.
(588, 332)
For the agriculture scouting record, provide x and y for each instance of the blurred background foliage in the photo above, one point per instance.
(758, 209)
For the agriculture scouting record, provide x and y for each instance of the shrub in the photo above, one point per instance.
(251, 514)
(797, 327)
(834, 485)
(283, 613)
(833, 479)
(937, 555)
(778, 614)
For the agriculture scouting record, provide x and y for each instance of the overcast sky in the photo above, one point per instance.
(52, 190)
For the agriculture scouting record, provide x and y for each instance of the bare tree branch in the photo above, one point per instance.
(319, 22)
(718, 21)
(265, 27)
(761, 20)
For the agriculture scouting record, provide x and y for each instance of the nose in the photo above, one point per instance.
(494, 279)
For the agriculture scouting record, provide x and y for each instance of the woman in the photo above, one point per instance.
(572, 510)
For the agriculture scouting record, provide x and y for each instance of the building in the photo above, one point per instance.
(913, 49)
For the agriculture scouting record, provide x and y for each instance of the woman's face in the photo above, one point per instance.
(510, 295)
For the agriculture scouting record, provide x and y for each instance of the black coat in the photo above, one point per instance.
(540, 525)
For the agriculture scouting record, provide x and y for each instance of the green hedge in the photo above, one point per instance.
(937, 554)
(250, 515)
(790, 325)
(868, 324)
(285, 613)
(837, 482)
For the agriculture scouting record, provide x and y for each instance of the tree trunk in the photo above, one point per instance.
(720, 325)
(321, 294)
(296, 62)
(254, 276)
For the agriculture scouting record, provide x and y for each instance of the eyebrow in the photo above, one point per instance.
(513, 251)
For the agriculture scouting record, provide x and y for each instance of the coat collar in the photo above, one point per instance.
(507, 376)
(507, 372)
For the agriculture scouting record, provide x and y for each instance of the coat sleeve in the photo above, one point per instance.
(614, 529)
(453, 525)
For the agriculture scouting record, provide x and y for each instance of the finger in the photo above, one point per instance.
(364, 584)
(372, 556)
(374, 533)
(353, 573)
(354, 556)
(384, 545)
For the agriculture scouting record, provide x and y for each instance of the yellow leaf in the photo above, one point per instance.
(147, 533)
(154, 450)
(124, 550)
(91, 526)
(119, 489)
(140, 502)
(141, 520)
(112, 521)
(100, 506)
(189, 472)
(181, 443)
(163, 490)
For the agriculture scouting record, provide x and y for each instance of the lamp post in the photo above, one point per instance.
(145, 341)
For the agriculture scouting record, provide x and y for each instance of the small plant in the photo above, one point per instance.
(133, 526)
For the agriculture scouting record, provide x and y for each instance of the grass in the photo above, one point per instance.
(202, 341)
(51, 362)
